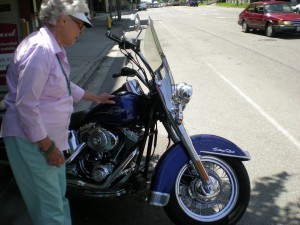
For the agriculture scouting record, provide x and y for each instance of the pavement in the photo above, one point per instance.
(93, 59)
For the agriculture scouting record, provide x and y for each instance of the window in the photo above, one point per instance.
(251, 8)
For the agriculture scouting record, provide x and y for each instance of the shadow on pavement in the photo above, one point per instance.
(264, 207)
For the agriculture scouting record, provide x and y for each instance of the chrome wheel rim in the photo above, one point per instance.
(202, 206)
(269, 30)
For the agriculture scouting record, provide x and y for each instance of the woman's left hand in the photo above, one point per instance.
(105, 99)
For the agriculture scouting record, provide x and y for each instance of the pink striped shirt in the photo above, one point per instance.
(38, 102)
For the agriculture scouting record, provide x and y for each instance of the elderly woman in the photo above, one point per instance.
(39, 105)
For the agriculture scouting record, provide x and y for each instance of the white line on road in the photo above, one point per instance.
(257, 107)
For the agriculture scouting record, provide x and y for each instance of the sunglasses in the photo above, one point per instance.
(79, 23)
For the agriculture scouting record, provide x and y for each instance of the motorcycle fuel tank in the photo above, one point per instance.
(127, 111)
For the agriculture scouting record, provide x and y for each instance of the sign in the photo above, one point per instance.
(8, 44)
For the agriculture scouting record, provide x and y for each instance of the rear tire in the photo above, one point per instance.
(188, 205)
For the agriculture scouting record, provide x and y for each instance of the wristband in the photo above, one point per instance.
(50, 150)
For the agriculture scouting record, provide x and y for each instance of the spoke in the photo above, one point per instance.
(182, 184)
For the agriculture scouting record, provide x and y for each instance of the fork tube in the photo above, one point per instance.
(195, 158)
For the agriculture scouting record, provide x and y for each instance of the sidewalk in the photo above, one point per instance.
(88, 52)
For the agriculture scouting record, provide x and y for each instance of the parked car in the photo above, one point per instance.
(175, 3)
(142, 6)
(271, 17)
(193, 3)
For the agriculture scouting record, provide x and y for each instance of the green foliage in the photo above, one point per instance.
(234, 5)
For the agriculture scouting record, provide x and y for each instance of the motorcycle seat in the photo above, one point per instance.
(77, 119)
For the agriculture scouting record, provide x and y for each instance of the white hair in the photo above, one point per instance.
(52, 9)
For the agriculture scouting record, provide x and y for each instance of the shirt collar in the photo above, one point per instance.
(46, 33)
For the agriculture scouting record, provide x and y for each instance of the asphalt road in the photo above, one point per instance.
(246, 89)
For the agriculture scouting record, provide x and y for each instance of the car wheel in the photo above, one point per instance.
(297, 10)
(245, 27)
(269, 30)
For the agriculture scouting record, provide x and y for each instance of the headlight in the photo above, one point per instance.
(287, 22)
(281, 22)
(182, 93)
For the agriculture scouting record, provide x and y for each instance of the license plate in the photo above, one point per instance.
(298, 28)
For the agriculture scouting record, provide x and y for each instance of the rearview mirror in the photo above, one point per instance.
(137, 21)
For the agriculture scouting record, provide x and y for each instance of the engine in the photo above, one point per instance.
(98, 138)
(105, 150)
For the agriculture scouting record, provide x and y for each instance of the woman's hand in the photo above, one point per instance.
(55, 158)
(106, 99)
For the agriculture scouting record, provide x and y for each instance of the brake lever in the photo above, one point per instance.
(113, 37)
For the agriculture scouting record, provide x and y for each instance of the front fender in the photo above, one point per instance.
(175, 158)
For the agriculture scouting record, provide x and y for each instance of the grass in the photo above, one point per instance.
(233, 5)
(224, 4)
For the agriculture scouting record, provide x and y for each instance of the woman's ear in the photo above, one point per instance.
(62, 20)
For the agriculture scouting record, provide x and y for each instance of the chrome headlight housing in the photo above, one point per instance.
(181, 96)
(182, 93)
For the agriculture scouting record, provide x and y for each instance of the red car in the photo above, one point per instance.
(271, 16)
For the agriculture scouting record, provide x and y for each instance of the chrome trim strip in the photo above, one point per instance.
(246, 157)
(74, 154)
(118, 171)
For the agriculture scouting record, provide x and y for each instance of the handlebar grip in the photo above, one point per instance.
(123, 44)
(113, 37)
(128, 71)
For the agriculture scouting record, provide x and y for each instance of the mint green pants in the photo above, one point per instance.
(43, 187)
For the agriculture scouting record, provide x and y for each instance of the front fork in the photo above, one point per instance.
(181, 132)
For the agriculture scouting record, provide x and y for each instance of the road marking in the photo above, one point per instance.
(257, 107)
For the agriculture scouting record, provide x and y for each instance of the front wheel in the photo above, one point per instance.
(270, 30)
(190, 204)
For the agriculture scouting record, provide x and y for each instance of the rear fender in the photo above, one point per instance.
(175, 158)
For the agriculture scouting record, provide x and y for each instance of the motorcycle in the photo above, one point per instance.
(199, 179)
